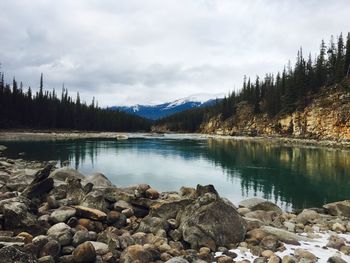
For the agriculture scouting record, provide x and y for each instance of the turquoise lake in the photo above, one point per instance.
(293, 177)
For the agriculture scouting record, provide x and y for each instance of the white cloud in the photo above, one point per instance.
(127, 52)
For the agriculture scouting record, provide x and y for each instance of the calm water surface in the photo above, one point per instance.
(293, 177)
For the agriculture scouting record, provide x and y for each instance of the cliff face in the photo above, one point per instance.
(326, 117)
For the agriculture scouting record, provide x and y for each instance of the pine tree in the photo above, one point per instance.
(347, 57)
(339, 74)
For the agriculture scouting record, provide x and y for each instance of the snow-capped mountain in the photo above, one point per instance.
(155, 112)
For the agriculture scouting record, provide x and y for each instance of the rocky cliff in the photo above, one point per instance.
(327, 116)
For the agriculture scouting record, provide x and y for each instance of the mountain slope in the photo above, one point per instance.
(155, 112)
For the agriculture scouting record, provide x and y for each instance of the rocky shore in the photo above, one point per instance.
(50, 214)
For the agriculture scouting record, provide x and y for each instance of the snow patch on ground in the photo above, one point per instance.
(317, 246)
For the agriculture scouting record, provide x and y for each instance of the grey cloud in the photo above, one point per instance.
(126, 52)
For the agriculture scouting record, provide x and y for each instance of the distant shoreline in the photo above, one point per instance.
(19, 135)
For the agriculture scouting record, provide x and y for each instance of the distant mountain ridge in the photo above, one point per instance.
(155, 112)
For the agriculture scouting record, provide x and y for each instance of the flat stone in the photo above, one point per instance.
(284, 235)
(90, 213)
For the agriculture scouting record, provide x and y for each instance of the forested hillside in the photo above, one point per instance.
(273, 95)
(46, 110)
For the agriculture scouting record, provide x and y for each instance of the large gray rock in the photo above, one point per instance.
(17, 215)
(307, 216)
(95, 199)
(211, 222)
(260, 204)
(153, 225)
(60, 232)
(41, 184)
(64, 173)
(341, 208)
(100, 248)
(99, 180)
(62, 214)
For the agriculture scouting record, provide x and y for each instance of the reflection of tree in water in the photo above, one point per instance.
(302, 176)
(74, 151)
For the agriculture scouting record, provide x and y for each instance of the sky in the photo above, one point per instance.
(152, 51)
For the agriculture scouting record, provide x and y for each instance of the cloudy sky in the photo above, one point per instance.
(151, 51)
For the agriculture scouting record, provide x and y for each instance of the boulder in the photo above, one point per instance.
(46, 259)
(100, 248)
(17, 215)
(307, 216)
(80, 237)
(62, 214)
(121, 205)
(336, 259)
(60, 232)
(51, 248)
(64, 173)
(99, 180)
(177, 260)
(95, 199)
(210, 221)
(153, 225)
(152, 193)
(41, 184)
(13, 254)
(168, 209)
(266, 217)
(136, 253)
(260, 204)
(84, 253)
(341, 208)
(74, 192)
(116, 219)
(303, 255)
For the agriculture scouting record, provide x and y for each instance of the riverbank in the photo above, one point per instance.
(60, 215)
(73, 135)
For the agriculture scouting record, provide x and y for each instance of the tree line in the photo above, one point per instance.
(47, 110)
(288, 90)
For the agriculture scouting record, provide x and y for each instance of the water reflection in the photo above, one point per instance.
(292, 176)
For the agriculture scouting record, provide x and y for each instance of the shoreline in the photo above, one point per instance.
(63, 206)
(73, 135)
